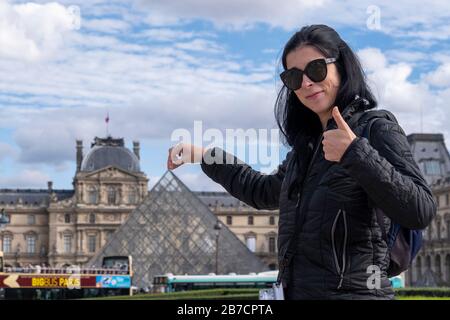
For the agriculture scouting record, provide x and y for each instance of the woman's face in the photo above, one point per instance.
(317, 96)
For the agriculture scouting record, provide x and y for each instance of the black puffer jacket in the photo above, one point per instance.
(340, 236)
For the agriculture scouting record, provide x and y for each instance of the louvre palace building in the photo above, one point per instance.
(68, 227)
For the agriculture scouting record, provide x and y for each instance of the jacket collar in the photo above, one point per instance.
(358, 105)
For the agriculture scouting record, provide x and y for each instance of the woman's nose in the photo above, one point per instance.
(307, 82)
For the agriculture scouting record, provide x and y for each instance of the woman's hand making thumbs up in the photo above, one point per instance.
(336, 141)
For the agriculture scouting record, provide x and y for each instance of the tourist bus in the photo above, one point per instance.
(39, 282)
(171, 283)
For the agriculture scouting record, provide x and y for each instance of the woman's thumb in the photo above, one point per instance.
(177, 154)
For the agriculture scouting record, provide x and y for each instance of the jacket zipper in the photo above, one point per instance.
(285, 260)
(340, 270)
(308, 169)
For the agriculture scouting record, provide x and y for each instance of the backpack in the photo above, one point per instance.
(403, 243)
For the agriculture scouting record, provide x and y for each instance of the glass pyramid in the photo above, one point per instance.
(172, 231)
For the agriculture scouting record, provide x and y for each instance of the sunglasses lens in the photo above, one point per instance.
(316, 70)
(292, 78)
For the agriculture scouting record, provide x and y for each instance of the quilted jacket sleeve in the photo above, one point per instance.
(390, 176)
(258, 190)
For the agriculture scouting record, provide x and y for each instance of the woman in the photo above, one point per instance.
(326, 185)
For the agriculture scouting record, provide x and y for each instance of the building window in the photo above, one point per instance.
(93, 195)
(428, 263)
(447, 266)
(132, 196)
(432, 167)
(272, 244)
(7, 244)
(272, 220)
(419, 268)
(111, 195)
(446, 200)
(437, 265)
(31, 219)
(229, 220)
(67, 243)
(448, 230)
(92, 218)
(250, 220)
(31, 244)
(438, 227)
(251, 243)
(67, 218)
(92, 243)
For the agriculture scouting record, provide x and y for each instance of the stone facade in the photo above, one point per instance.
(258, 229)
(432, 265)
(64, 227)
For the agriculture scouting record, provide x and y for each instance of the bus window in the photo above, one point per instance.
(118, 263)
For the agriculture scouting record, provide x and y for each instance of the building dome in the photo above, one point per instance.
(110, 152)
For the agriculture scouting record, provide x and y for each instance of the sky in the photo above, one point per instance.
(156, 66)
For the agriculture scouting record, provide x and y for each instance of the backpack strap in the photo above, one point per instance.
(379, 215)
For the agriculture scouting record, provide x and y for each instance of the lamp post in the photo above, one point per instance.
(217, 227)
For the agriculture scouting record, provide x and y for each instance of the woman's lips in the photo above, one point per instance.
(314, 95)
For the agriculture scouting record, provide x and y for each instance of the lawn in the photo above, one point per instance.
(252, 294)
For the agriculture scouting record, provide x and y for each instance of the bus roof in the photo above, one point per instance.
(260, 277)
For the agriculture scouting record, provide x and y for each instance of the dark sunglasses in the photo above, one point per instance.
(316, 70)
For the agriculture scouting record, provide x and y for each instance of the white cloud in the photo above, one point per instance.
(164, 34)
(200, 45)
(391, 81)
(372, 59)
(160, 79)
(406, 56)
(149, 91)
(28, 178)
(106, 25)
(232, 14)
(33, 31)
(440, 77)
(417, 107)
(47, 134)
(6, 151)
(408, 19)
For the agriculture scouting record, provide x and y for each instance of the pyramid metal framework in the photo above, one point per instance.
(172, 231)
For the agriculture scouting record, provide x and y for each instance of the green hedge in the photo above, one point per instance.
(425, 292)
(222, 294)
(253, 294)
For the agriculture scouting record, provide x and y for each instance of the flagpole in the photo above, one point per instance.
(107, 124)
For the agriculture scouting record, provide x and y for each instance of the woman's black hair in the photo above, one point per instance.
(292, 116)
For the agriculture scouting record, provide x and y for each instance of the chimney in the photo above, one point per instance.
(136, 149)
(50, 186)
(79, 154)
